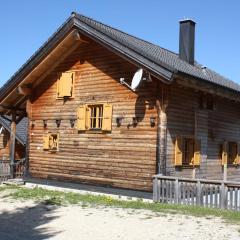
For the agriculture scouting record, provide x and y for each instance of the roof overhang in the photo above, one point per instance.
(205, 86)
(14, 92)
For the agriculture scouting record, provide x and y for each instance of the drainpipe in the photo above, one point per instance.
(161, 105)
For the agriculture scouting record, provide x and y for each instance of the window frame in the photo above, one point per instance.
(84, 117)
(207, 102)
(100, 107)
(195, 160)
(188, 153)
(226, 153)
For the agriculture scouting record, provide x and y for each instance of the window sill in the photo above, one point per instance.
(50, 151)
(188, 166)
(94, 131)
(64, 98)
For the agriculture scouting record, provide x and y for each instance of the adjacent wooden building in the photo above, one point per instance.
(87, 125)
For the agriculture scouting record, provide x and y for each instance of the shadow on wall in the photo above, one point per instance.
(26, 223)
(145, 101)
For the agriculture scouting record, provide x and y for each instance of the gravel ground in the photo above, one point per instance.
(29, 220)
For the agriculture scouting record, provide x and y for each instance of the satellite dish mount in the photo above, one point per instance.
(136, 80)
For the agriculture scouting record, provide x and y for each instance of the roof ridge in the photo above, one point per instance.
(128, 34)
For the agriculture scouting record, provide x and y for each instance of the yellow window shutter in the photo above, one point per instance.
(107, 117)
(81, 118)
(225, 153)
(197, 152)
(65, 84)
(46, 142)
(178, 151)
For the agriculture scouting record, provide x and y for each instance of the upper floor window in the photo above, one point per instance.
(206, 102)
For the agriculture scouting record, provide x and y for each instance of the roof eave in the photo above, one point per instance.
(207, 86)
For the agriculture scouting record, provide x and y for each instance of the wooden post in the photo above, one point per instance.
(176, 192)
(194, 173)
(29, 115)
(12, 144)
(155, 190)
(162, 104)
(225, 172)
(199, 193)
(222, 196)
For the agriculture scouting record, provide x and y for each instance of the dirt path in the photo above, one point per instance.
(27, 220)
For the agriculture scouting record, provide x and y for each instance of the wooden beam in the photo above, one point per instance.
(12, 143)
(25, 90)
(162, 104)
(20, 117)
(79, 37)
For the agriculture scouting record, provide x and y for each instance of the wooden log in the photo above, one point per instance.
(12, 143)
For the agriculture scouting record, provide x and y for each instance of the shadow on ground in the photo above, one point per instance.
(27, 223)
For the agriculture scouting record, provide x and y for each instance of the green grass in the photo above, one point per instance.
(49, 197)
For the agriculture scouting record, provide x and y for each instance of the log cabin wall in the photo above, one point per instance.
(125, 157)
(184, 117)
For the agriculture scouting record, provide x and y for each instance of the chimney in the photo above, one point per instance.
(186, 40)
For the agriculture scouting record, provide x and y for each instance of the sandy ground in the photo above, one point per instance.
(29, 220)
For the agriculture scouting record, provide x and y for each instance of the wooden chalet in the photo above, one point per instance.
(87, 125)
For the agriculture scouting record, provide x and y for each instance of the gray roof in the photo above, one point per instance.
(158, 60)
(21, 130)
(160, 56)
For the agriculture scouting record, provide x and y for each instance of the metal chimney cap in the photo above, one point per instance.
(187, 20)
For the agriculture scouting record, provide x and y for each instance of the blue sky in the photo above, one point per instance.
(26, 24)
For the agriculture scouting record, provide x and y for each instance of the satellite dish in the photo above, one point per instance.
(137, 78)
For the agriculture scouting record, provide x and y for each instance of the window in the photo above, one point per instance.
(206, 102)
(51, 141)
(187, 151)
(94, 117)
(210, 102)
(230, 153)
(65, 85)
